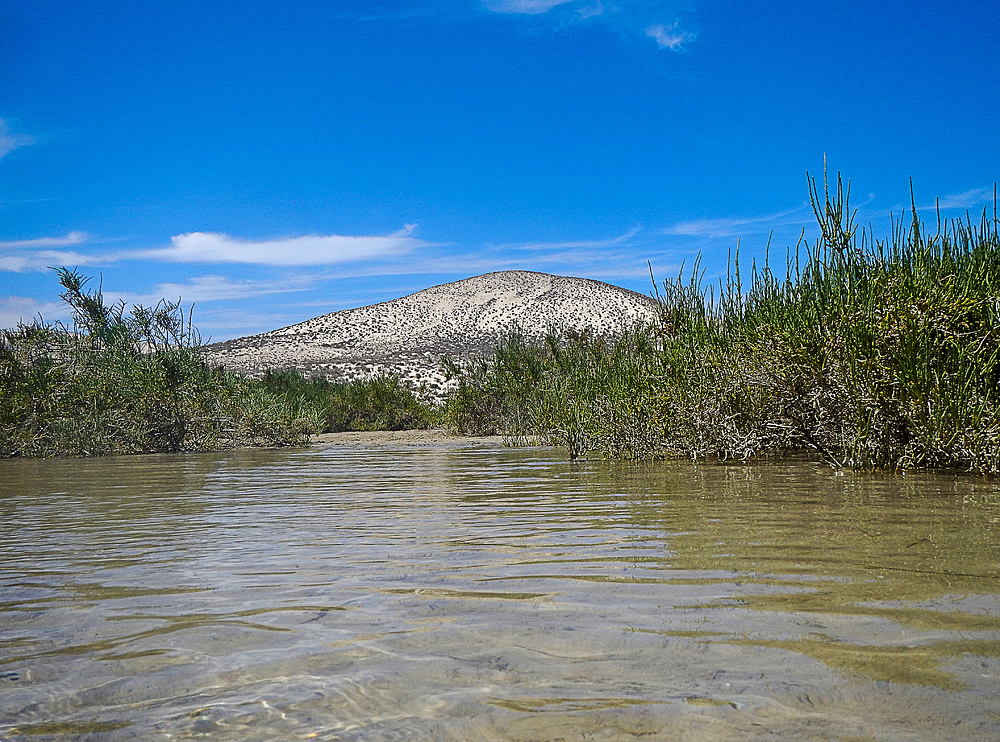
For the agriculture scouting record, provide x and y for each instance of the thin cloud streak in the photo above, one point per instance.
(965, 200)
(584, 243)
(643, 17)
(21, 256)
(73, 238)
(622, 256)
(197, 290)
(668, 37)
(40, 260)
(9, 142)
(211, 288)
(527, 7)
(733, 227)
(212, 247)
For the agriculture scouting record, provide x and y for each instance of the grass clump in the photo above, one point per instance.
(870, 353)
(378, 403)
(571, 389)
(120, 383)
(117, 383)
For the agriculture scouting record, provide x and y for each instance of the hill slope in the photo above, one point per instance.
(407, 336)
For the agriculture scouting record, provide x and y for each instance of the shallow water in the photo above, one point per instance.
(479, 593)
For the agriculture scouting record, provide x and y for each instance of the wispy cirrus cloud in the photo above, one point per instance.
(529, 7)
(965, 200)
(736, 226)
(73, 238)
(669, 37)
(44, 259)
(559, 246)
(197, 290)
(212, 247)
(20, 256)
(10, 141)
(652, 18)
(233, 305)
(201, 289)
(624, 255)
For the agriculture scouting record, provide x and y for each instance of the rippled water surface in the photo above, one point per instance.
(456, 592)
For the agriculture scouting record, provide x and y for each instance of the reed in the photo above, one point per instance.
(872, 353)
(117, 383)
(377, 403)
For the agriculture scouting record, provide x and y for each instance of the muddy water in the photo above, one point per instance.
(449, 592)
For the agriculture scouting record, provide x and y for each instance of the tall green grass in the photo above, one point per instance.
(117, 383)
(574, 389)
(871, 353)
(378, 403)
(113, 382)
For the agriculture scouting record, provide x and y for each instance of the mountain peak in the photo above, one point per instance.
(408, 336)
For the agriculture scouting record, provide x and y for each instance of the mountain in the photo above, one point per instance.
(408, 336)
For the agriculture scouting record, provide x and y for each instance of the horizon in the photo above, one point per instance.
(272, 164)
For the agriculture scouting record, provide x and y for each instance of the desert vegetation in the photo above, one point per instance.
(378, 403)
(113, 382)
(116, 383)
(870, 353)
(865, 352)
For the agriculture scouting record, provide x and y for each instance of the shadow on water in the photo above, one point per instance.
(457, 591)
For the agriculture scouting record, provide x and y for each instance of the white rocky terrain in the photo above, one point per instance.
(408, 336)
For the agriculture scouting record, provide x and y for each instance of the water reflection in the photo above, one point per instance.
(445, 592)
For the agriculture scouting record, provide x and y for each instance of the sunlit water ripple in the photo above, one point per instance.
(472, 592)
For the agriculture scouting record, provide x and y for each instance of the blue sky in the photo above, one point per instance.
(273, 161)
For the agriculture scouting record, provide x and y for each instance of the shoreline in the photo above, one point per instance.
(426, 437)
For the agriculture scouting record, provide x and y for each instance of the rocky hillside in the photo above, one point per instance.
(408, 336)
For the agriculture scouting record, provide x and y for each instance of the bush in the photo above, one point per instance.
(379, 403)
(870, 353)
(114, 384)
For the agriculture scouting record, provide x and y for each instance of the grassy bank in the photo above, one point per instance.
(377, 403)
(117, 383)
(872, 353)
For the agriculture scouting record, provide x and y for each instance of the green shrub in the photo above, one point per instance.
(117, 383)
(379, 403)
(870, 353)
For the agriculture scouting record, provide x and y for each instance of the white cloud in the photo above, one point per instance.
(19, 256)
(624, 255)
(9, 142)
(732, 227)
(965, 200)
(547, 246)
(648, 17)
(528, 7)
(198, 290)
(211, 247)
(213, 288)
(73, 238)
(16, 309)
(44, 259)
(668, 37)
